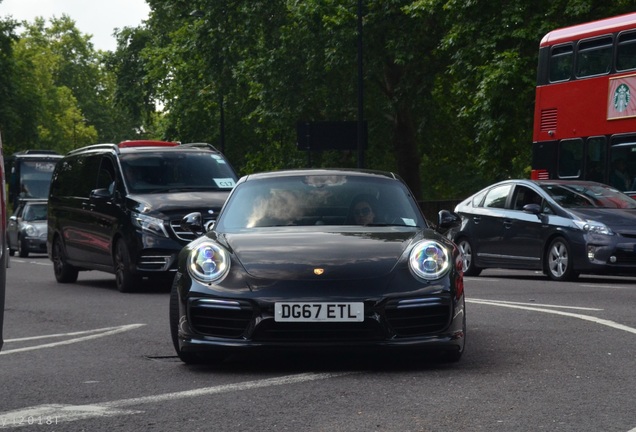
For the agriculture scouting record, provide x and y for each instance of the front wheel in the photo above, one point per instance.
(559, 263)
(468, 259)
(125, 280)
(186, 357)
(64, 272)
(23, 250)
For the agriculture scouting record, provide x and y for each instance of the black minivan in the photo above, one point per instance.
(118, 208)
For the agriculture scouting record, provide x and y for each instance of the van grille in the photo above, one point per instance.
(186, 236)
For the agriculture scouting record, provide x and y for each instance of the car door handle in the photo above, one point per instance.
(507, 224)
(476, 219)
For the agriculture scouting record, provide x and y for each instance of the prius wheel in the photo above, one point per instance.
(559, 261)
(64, 272)
(468, 262)
(126, 281)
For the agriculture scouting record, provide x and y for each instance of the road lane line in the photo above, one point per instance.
(539, 304)
(595, 320)
(66, 413)
(102, 332)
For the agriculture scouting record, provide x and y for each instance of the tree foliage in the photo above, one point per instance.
(448, 84)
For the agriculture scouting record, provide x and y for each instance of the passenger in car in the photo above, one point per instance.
(362, 210)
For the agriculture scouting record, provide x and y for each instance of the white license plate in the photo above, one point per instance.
(318, 311)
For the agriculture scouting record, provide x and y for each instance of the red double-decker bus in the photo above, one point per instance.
(585, 110)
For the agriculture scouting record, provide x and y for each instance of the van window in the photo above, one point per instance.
(75, 176)
(150, 172)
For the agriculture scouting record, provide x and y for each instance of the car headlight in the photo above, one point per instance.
(31, 231)
(208, 262)
(594, 227)
(150, 224)
(429, 260)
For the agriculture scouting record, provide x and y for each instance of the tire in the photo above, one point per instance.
(23, 250)
(186, 357)
(125, 280)
(558, 261)
(64, 272)
(468, 262)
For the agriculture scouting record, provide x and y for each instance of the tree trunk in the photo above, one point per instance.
(403, 138)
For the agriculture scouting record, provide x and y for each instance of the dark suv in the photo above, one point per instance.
(118, 208)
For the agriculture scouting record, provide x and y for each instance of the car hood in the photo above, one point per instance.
(331, 255)
(36, 223)
(184, 202)
(614, 218)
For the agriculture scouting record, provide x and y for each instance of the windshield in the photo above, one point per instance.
(34, 212)
(599, 196)
(320, 200)
(35, 178)
(172, 172)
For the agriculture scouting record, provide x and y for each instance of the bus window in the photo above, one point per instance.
(623, 166)
(595, 160)
(570, 158)
(594, 57)
(626, 51)
(561, 60)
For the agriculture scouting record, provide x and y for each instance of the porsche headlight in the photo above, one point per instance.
(429, 260)
(208, 262)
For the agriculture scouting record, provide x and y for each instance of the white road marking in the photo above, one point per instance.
(92, 334)
(66, 413)
(539, 304)
(595, 320)
(23, 261)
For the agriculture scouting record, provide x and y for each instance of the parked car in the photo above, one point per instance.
(317, 259)
(26, 230)
(562, 228)
(118, 208)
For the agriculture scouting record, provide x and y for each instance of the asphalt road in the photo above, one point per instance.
(541, 356)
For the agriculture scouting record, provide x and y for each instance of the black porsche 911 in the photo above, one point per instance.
(317, 259)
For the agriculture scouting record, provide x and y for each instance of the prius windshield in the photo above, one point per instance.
(580, 195)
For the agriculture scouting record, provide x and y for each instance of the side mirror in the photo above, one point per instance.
(193, 222)
(447, 219)
(532, 208)
(100, 193)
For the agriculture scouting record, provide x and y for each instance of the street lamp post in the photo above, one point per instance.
(360, 130)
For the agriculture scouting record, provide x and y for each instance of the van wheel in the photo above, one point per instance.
(559, 261)
(468, 259)
(64, 272)
(126, 281)
(23, 251)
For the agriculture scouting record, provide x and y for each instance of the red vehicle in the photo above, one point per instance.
(585, 110)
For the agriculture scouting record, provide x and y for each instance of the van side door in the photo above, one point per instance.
(104, 212)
